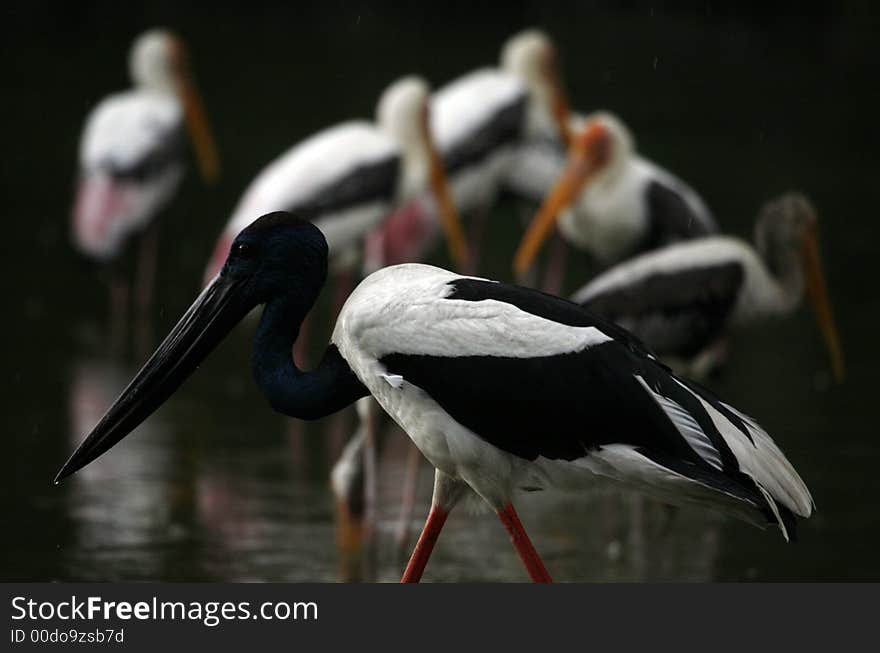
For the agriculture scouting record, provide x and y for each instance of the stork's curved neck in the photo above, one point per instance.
(304, 395)
(787, 276)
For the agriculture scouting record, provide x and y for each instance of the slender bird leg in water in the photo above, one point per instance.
(554, 273)
(146, 282)
(523, 545)
(349, 541)
(447, 492)
(347, 481)
(408, 500)
(354, 475)
(425, 545)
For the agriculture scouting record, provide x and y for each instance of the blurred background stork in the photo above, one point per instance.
(742, 102)
(131, 162)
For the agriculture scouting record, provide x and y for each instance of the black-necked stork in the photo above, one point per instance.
(348, 178)
(131, 157)
(613, 203)
(683, 300)
(501, 387)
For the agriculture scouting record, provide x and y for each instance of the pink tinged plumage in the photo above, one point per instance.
(403, 237)
(103, 214)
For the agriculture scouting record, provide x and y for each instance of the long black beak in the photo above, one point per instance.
(219, 308)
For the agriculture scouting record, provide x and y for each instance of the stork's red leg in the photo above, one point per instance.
(427, 540)
(523, 545)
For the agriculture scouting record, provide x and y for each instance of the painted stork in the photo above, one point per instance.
(479, 122)
(684, 299)
(501, 387)
(131, 156)
(613, 203)
(348, 178)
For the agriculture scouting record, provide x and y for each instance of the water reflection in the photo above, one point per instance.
(152, 511)
(125, 508)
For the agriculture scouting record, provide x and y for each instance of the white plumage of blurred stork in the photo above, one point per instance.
(608, 200)
(480, 122)
(132, 154)
(348, 178)
(683, 300)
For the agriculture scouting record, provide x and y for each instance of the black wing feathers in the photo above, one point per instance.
(680, 312)
(169, 150)
(558, 407)
(671, 218)
(365, 183)
(502, 127)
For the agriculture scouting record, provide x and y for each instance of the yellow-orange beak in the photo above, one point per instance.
(817, 293)
(449, 219)
(588, 154)
(196, 120)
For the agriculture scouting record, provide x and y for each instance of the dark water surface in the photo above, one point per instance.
(215, 486)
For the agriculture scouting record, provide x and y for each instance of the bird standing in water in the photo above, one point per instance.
(350, 177)
(682, 301)
(502, 388)
(480, 122)
(612, 203)
(131, 161)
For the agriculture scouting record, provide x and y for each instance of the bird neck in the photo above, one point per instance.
(785, 269)
(414, 167)
(305, 395)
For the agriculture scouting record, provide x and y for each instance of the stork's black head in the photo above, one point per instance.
(277, 255)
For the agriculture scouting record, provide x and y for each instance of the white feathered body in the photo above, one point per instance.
(406, 309)
(307, 173)
(459, 111)
(611, 217)
(130, 165)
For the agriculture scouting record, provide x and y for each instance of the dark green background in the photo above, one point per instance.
(743, 102)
